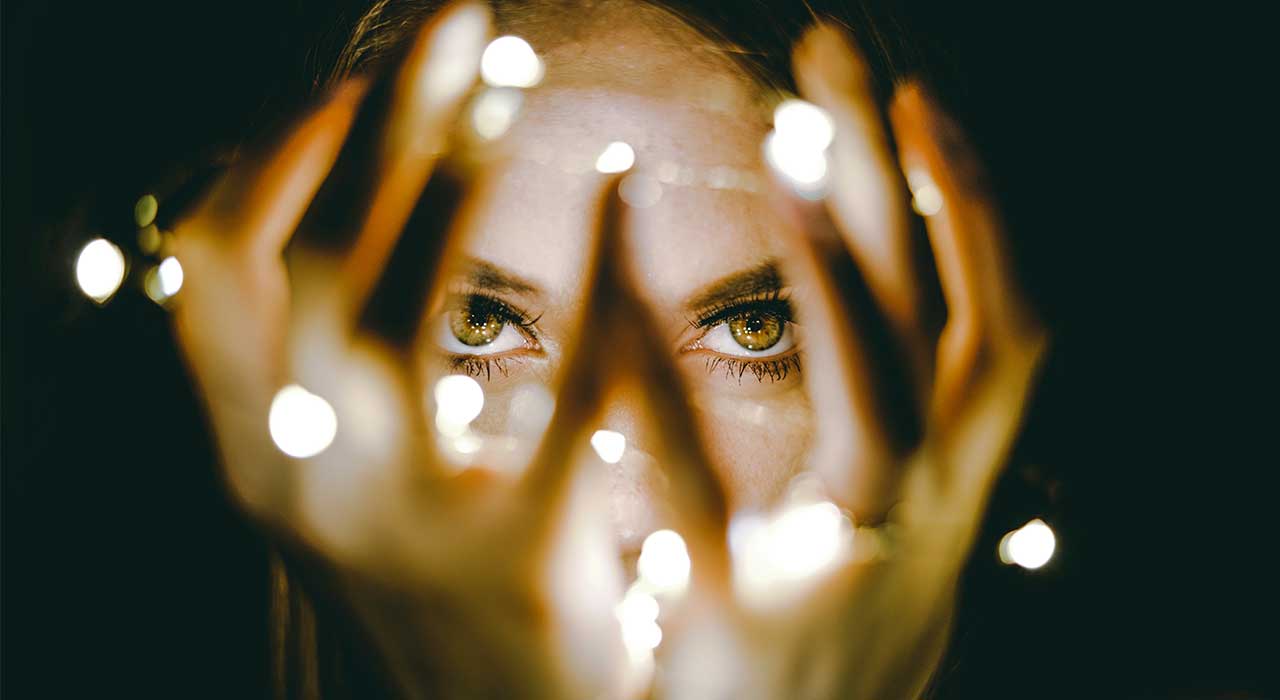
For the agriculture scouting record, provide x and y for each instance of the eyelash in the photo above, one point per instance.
(775, 369)
(484, 365)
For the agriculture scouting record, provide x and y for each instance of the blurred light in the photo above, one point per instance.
(530, 410)
(617, 157)
(803, 125)
(100, 269)
(170, 275)
(773, 555)
(797, 146)
(805, 168)
(637, 613)
(459, 399)
(150, 240)
(145, 210)
(926, 198)
(509, 61)
(468, 443)
(640, 190)
(609, 445)
(664, 562)
(1030, 546)
(495, 111)
(301, 423)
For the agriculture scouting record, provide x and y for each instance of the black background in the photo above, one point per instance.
(126, 572)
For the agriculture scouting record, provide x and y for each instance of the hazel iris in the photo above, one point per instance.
(477, 323)
(756, 331)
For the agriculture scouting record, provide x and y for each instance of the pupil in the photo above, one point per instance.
(477, 326)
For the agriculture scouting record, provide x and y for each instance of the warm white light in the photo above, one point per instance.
(609, 445)
(774, 555)
(617, 157)
(664, 562)
(509, 61)
(805, 168)
(926, 198)
(301, 423)
(170, 276)
(100, 269)
(495, 111)
(1030, 546)
(803, 125)
(459, 399)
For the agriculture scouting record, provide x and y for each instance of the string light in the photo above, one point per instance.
(796, 148)
(301, 423)
(1030, 546)
(164, 280)
(495, 110)
(926, 198)
(459, 400)
(664, 562)
(509, 61)
(100, 269)
(775, 556)
(617, 157)
(609, 445)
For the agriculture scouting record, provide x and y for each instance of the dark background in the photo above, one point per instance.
(126, 572)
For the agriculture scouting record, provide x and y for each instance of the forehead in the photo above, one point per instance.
(695, 126)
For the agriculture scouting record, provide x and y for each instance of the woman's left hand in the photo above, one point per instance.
(865, 624)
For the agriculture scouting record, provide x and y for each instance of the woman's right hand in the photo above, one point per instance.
(479, 586)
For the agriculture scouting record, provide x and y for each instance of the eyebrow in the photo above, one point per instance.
(485, 275)
(761, 278)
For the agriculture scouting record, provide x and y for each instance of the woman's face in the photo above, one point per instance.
(701, 245)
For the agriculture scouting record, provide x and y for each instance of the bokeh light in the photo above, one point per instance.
(926, 198)
(302, 424)
(509, 61)
(796, 148)
(775, 555)
(145, 210)
(617, 157)
(100, 269)
(804, 125)
(664, 562)
(640, 190)
(609, 445)
(459, 399)
(495, 110)
(1030, 546)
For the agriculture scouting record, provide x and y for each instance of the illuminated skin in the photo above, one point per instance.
(533, 221)
(501, 584)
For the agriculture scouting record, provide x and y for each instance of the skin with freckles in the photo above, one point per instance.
(531, 220)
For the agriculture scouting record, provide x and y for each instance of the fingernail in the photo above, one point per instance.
(828, 53)
(453, 52)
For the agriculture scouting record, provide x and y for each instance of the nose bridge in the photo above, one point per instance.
(624, 410)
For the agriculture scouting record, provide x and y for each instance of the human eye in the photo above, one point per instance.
(479, 333)
(753, 335)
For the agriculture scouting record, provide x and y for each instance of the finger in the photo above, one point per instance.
(396, 141)
(866, 196)
(852, 448)
(986, 312)
(257, 205)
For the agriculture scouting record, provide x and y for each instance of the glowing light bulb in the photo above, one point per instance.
(926, 198)
(617, 157)
(509, 61)
(1030, 546)
(664, 562)
(803, 125)
(775, 556)
(459, 399)
(796, 147)
(100, 269)
(302, 424)
(609, 445)
(805, 168)
(638, 615)
(495, 111)
(170, 275)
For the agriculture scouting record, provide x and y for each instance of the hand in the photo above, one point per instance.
(870, 625)
(475, 585)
